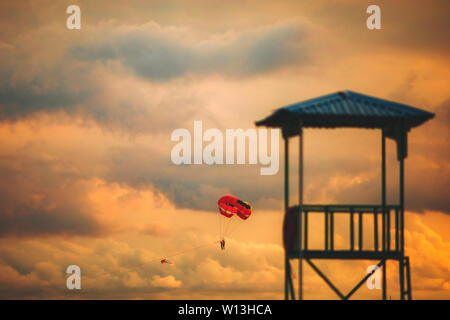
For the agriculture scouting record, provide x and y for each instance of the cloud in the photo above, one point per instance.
(161, 54)
(189, 186)
(214, 273)
(85, 122)
(155, 229)
(41, 94)
(40, 222)
(117, 269)
(426, 23)
(96, 96)
(133, 280)
(405, 25)
(428, 172)
(430, 256)
(34, 204)
(165, 282)
(128, 266)
(133, 79)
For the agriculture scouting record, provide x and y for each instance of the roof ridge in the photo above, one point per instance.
(348, 108)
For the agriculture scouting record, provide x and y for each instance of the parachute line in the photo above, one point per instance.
(184, 251)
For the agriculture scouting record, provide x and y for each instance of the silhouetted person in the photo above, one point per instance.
(290, 230)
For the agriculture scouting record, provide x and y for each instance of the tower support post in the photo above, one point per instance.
(300, 214)
(287, 269)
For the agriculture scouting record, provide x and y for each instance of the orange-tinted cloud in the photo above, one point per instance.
(85, 123)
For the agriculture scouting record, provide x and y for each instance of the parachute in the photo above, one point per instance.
(163, 261)
(232, 211)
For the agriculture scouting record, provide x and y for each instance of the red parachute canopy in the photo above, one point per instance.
(163, 261)
(230, 206)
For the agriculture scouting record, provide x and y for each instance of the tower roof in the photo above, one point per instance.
(346, 109)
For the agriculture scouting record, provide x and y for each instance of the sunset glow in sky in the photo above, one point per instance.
(86, 118)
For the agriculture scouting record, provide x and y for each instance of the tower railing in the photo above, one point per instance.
(388, 237)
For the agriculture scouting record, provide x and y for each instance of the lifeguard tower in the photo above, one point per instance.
(349, 109)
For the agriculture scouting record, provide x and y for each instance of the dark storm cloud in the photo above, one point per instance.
(82, 92)
(31, 85)
(427, 170)
(27, 98)
(28, 221)
(190, 186)
(43, 197)
(431, 183)
(412, 25)
(418, 25)
(158, 54)
(81, 81)
(341, 178)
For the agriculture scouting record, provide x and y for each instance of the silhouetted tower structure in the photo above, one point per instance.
(348, 109)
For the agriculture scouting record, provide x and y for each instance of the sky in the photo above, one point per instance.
(86, 118)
